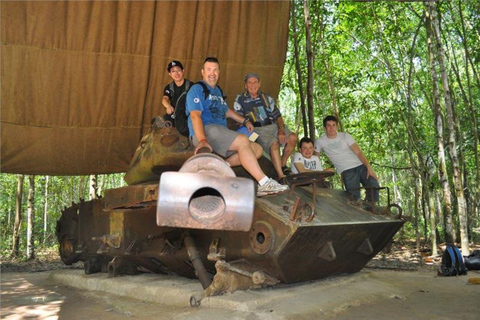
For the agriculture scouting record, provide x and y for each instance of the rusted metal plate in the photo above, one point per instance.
(131, 196)
(205, 201)
(308, 177)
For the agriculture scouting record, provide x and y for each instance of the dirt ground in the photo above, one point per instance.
(398, 285)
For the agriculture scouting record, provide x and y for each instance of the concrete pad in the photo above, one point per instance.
(306, 299)
(369, 294)
(163, 289)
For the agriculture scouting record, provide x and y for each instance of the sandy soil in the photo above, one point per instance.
(398, 285)
(394, 295)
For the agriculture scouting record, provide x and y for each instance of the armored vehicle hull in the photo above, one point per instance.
(204, 221)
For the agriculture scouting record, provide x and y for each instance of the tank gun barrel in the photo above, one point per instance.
(205, 194)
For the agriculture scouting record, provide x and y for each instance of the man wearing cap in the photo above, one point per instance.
(174, 93)
(261, 110)
(207, 113)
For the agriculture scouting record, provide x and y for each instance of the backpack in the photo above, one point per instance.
(472, 262)
(181, 120)
(452, 262)
(206, 92)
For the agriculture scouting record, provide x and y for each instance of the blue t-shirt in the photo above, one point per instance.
(213, 109)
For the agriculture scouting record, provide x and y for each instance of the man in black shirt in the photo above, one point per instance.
(174, 96)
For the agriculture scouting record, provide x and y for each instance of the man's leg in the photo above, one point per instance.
(246, 155)
(369, 184)
(351, 179)
(276, 159)
(289, 147)
(234, 159)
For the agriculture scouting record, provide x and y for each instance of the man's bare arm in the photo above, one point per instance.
(166, 103)
(197, 123)
(358, 152)
(238, 118)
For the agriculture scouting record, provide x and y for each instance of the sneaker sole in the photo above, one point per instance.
(266, 193)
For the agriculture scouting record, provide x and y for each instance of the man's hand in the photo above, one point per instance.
(371, 173)
(249, 126)
(170, 109)
(203, 144)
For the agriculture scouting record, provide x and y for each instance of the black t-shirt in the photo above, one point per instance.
(177, 91)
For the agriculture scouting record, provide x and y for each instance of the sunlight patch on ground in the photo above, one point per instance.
(40, 304)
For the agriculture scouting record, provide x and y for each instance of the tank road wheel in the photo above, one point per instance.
(67, 250)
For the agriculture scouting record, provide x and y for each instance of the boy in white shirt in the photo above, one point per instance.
(306, 160)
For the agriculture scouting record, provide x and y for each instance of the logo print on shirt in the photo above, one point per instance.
(310, 165)
(217, 110)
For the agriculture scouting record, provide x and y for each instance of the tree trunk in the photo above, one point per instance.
(101, 185)
(31, 218)
(457, 176)
(475, 197)
(473, 114)
(18, 216)
(331, 85)
(93, 187)
(299, 71)
(433, 224)
(438, 118)
(45, 211)
(418, 198)
(83, 183)
(308, 35)
(396, 193)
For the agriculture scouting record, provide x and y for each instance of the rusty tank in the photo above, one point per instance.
(194, 216)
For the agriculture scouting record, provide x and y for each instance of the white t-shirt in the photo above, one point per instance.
(313, 163)
(338, 151)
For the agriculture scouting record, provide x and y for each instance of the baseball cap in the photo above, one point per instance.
(174, 63)
(251, 75)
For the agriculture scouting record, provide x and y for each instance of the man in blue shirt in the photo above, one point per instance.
(207, 124)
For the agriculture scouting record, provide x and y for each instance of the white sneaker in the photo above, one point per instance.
(271, 187)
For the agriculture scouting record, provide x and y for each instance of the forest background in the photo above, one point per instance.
(402, 77)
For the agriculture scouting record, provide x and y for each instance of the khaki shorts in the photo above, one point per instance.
(220, 138)
(268, 134)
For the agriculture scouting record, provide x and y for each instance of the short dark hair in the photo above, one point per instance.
(305, 140)
(211, 59)
(329, 118)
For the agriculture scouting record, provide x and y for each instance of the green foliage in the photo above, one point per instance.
(62, 191)
(377, 57)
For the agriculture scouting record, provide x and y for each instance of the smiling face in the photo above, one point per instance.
(331, 129)
(176, 73)
(252, 85)
(210, 73)
(306, 149)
